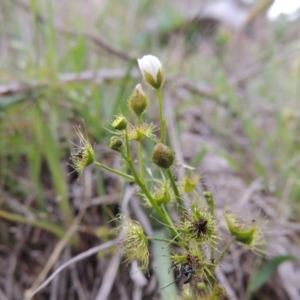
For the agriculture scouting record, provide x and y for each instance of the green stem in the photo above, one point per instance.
(140, 154)
(161, 118)
(114, 171)
(167, 216)
(146, 192)
(175, 189)
(152, 201)
(162, 240)
(224, 251)
(210, 201)
(212, 252)
(140, 119)
(128, 152)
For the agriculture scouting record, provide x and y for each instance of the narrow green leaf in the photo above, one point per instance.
(262, 275)
(163, 261)
(42, 224)
(49, 149)
(198, 157)
(8, 101)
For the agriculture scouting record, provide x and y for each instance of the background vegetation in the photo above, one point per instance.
(233, 112)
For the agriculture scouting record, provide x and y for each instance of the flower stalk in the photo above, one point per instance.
(175, 189)
(140, 154)
(145, 190)
(164, 240)
(224, 251)
(129, 177)
(161, 117)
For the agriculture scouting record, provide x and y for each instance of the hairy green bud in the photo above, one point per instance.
(120, 122)
(134, 242)
(161, 197)
(163, 193)
(210, 200)
(116, 143)
(140, 131)
(138, 101)
(163, 156)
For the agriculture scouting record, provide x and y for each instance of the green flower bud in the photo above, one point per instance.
(163, 156)
(120, 122)
(210, 200)
(116, 143)
(138, 101)
(140, 131)
(161, 197)
(163, 193)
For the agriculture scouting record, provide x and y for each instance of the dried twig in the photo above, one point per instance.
(95, 39)
(200, 89)
(224, 282)
(79, 257)
(122, 291)
(76, 282)
(109, 277)
(106, 199)
(254, 186)
(111, 271)
(13, 262)
(97, 77)
(139, 280)
(2, 296)
(64, 241)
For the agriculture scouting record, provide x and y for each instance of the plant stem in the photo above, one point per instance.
(152, 201)
(210, 201)
(114, 171)
(162, 240)
(224, 251)
(175, 189)
(146, 192)
(140, 154)
(161, 118)
(212, 252)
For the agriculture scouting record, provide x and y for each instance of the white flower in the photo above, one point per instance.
(150, 64)
(151, 69)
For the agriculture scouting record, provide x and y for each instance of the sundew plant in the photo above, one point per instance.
(196, 245)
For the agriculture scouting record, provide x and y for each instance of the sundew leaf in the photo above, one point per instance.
(262, 275)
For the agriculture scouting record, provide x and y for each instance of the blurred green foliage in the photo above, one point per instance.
(44, 40)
